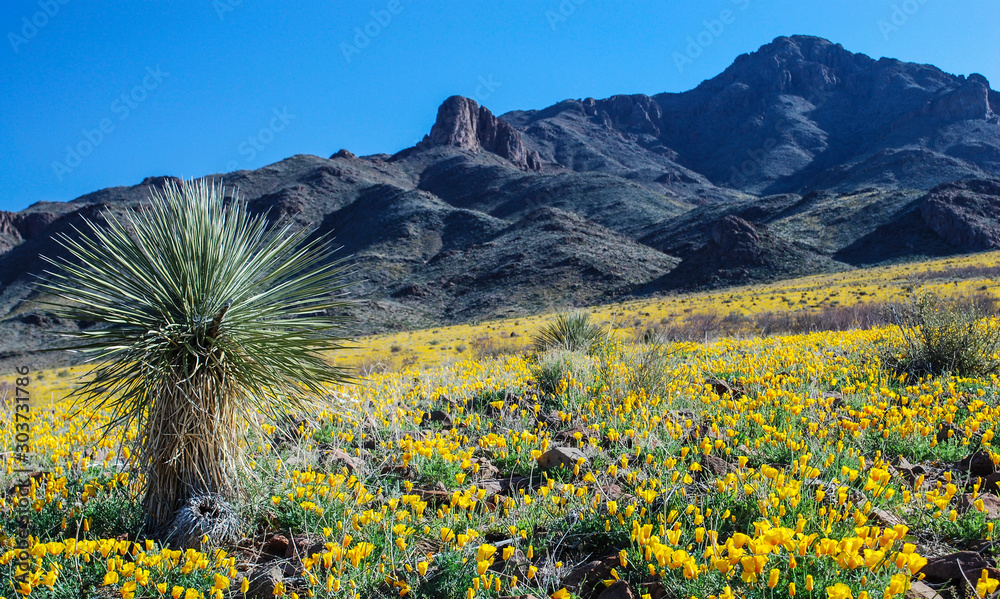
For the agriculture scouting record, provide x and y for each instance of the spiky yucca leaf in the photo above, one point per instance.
(570, 332)
(213, 318)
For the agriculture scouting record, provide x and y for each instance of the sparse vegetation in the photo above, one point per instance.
(946, 335)
(570, 332)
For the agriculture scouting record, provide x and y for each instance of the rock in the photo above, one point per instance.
(957, 567)
(486, 468)
(991, 484)
(720, 387)
(715, 465)
(161, 181)
(263, 580)
(560, 456)
(491, 486)
(587, 579)
(334, 456)
(909, 471)
(569, 436)
(885, 519)
(274, 548)
(463, 123)
(919, 590)
(508, 486)
(434, 497)
(613, 491)
(991, 504)
(654, 588)
(550, 418)
(978, 463)
(618, 590)
(303, 546)
(16, 227)
(343, 153)
(441, 417)
(964, 213)
(946, 432)
(736, 239)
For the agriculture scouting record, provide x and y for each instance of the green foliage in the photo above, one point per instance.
(211, 316)
(946, 335)
(570, 332)
(649, 369)
(556, 366)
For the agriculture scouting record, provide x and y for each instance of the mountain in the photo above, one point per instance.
(800, 157)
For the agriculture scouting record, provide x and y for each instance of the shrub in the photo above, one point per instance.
(558, 365)
(487, 346)
(570, 332)
(649, 369)
(946, 335)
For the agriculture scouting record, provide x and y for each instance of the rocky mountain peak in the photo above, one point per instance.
(463, 123)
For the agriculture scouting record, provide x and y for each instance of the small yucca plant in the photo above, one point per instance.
(570, 332)
(212, 318)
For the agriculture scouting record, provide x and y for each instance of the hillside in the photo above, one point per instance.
(800, 158)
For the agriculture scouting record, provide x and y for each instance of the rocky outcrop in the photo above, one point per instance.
(734, 239)
(969, 100)
(463, 123)
(160, 181)
(16, 227)
(636, 113)
(966, 214)
(738, 252)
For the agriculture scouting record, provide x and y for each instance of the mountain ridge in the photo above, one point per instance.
(799, 157)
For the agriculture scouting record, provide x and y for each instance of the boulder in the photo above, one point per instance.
(560, 456)
(957, 567)
(618, 590)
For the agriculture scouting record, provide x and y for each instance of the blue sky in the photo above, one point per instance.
(97, 94)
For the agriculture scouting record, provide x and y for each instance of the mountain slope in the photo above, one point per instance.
(800, 113)
(800, 157)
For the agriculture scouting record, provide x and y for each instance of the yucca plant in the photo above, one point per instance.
(570, 332)
(213, 317)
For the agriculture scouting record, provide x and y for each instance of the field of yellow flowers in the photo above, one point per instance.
(957, 275)
(756, 467)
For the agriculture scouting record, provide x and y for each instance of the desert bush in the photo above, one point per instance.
(372, 366)
(571, 332)
(487, 346)
(946, 335)
(649, 369)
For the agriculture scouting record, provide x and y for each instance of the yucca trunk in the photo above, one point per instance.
(192, 446)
